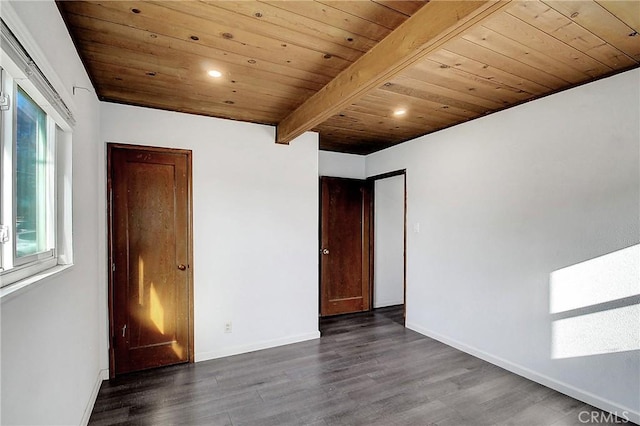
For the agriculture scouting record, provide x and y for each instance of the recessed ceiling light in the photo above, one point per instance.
(214, 73)
(399, 112)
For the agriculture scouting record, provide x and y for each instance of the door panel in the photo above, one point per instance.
(151, 289)
(344, 256)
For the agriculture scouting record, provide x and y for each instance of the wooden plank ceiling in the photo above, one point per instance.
(274, 56)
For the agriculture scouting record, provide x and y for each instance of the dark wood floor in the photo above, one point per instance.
(366, 369)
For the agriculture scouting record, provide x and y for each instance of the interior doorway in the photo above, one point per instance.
(389, 239)
(362, 243)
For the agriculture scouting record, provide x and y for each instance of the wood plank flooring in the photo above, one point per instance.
(366, 369)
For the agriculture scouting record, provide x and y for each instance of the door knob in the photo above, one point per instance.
(182, 267)
(325, 251)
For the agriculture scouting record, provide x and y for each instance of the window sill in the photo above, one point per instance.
(19, 287)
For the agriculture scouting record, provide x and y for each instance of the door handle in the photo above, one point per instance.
(325, 251)
(182, 267)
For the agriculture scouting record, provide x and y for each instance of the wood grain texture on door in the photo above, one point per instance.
(344, 251)
(150, 252)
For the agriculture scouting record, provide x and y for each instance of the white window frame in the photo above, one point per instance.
(15, 268)
(19, 70)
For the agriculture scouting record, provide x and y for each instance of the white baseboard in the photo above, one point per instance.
(386, 303)
(236, 350)
(102, 375)
(547, 381)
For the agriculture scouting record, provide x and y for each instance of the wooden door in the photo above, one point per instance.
(151, 298)
(344, 251)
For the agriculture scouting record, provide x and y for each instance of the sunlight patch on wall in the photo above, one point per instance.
(595, 305)
(604, 332)
(605, 278)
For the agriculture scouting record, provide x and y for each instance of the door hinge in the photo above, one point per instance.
(4, 233)
(113, 267)
(4, 101)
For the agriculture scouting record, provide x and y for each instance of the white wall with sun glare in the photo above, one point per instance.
(603, 279)
(595, 305)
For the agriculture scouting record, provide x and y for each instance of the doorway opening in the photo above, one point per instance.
(362, 244)
(388, 236)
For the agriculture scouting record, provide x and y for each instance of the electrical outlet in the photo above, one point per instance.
(227, 327)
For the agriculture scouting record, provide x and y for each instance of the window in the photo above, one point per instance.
(34, 165)
(28, 185)
(35, 207)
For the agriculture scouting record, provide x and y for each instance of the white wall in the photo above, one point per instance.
(255, 222)
(388, 284)
(337, 164)
(50, 331)
(502, 203)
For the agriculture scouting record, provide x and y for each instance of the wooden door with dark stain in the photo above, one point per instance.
(344, 252)
(151, 302)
